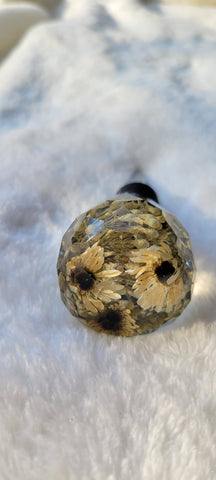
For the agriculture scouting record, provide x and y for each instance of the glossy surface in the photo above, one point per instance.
(126, 267)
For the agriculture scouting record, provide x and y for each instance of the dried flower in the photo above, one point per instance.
(91, 280)
(159, 285)
(115, 320)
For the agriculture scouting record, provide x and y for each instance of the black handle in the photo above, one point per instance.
(139, 189)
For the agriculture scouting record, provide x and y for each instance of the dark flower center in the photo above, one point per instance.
(110, 321)
(164, 271)
(83, 278)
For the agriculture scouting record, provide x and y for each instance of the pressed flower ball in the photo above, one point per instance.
(126, 267)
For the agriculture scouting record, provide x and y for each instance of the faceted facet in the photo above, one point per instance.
(126, 267)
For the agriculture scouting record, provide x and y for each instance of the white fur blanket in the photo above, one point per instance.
(105, 89)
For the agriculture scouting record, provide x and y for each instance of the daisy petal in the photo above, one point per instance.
(89, 305)
(108, 273)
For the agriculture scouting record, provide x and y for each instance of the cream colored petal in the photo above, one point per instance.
(144, 273)
(73, 263)
(117, 287)
(107, 285)
(106, 291)
(143, 284)
(160, 307)
(69, 268)
(154, 210)
(73, 288)
(98, 304)
(81, 308)
(138, 258)
(165, 249)
(175, 263)
(175, 294)
(134, 271)
(131, 271)
(140, 271)
(138, 255)
(152, 234)
(144, 276)
(128, 218)
(148, 274)
(141, 243)
(170, 302)
(89, 305)
(149, 232)
(147, 301)
(153, 298)
(108, 254)
(95, 264)
(173, 278)
(108, 273)
(111, 294)
(151, 221)
(93, 258)
(145, 255)
(165, 257)
(139, 290)
(108, 297)
(104, 298)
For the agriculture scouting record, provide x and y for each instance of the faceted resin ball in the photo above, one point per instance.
(126, 267)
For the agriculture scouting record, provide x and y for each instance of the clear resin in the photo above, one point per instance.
(126, 267)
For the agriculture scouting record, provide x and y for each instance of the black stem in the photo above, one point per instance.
(139, 189)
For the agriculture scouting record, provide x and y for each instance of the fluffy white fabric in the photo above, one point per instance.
(107, 89)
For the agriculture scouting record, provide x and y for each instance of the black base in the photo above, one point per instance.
(139, 189)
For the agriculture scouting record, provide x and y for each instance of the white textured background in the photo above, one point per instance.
(101, 90)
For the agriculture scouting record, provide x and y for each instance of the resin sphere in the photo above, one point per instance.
(126, 267)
